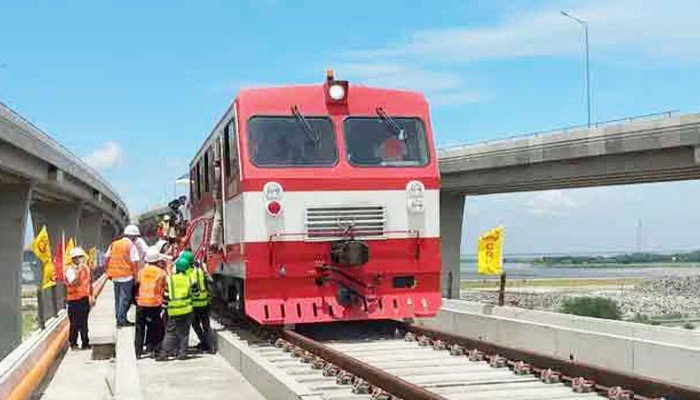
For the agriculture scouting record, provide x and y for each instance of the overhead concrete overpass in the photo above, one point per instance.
(39, 176)
(663, 149)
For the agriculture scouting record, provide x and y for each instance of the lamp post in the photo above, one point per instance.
(588, 70)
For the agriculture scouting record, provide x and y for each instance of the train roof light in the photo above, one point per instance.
(336, 91)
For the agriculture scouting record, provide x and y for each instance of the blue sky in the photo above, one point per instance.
(134, 88)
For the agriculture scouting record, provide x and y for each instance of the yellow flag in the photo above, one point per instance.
(66, 254)
(41, 247)
(490, 252)
(92, 257)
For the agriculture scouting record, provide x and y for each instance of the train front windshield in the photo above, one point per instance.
(310, 142)
(399, 142)
(292, 142)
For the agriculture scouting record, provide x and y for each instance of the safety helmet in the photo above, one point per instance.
(132, 230)
(153, 255)
(187, 255)
(77, 252)
(166, 217)
(181, 265)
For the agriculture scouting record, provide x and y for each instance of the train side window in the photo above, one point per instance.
(198, 178)
(234, 145)
(192, 183)
(227, 151)
(206, 172)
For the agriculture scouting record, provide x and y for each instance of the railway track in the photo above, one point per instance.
(401, 361)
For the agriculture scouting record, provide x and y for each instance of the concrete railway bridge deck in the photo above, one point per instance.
(469, 351)
(38, 176)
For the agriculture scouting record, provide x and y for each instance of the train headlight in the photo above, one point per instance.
(273, 191)
(336, 92)
(415, 191)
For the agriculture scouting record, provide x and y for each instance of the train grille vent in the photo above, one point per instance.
(334, 222)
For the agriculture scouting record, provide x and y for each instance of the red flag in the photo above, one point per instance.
(58, 261)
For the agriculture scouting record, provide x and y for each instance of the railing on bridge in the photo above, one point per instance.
(636, 118)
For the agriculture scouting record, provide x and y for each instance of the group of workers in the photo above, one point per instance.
(170, 297)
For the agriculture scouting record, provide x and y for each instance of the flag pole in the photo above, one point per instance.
(502, 290)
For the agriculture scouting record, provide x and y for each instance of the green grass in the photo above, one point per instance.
(553, 282)
(29, 322)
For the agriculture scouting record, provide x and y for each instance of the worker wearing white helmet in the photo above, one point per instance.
(79, 297)
(121, 266)
(150, 288)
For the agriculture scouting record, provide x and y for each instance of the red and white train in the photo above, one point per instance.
(324, 204)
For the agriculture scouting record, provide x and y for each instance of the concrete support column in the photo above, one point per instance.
(14, 205)
(90, 230)
(451, 216)
(109, 233)
(58, 217)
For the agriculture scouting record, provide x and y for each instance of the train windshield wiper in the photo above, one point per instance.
(398, 130)
(311, 134)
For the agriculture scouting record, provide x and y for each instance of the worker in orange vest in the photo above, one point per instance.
(150, 286)
(79, 297)
(122, 260)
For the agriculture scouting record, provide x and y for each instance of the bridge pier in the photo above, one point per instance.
(14, 205)
(90, 230)
(58, 217)
(451, 217)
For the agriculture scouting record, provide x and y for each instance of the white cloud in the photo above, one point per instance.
(654, 28)
(551, 203)
(659, 29)
(106, 157)
(440, 87)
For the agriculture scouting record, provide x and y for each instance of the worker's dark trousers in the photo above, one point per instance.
(78, 311)
(177, 335)
(149, 328)
(202, 327)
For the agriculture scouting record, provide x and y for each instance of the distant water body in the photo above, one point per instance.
(528, 271)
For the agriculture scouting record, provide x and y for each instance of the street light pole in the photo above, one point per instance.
(588, 69)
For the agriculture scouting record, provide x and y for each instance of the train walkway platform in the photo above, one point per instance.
(89, 370)
(111, 370)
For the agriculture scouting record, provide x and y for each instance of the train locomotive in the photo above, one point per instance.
(321, 203)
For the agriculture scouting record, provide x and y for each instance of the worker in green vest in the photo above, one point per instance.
(201, 306)
(179, 290)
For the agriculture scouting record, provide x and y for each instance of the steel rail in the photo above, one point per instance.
(604, 379)
(375, 376)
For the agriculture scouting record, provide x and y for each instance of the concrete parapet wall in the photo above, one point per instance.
(260, 372)
(16, 365)
(658, 353)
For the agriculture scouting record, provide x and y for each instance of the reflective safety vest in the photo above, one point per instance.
(201, 300)
(151, 286)
(120, 265)
(179, 298)
(81, 288)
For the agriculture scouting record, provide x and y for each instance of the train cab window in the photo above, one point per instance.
(292, 142)
(206, 172)
(376, 142)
